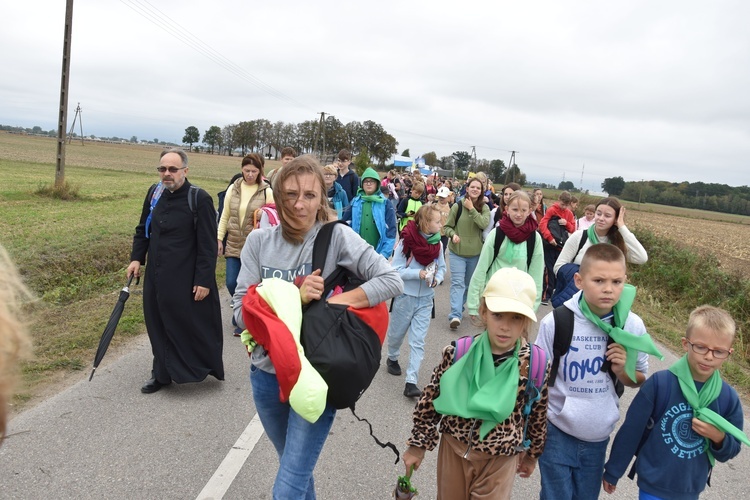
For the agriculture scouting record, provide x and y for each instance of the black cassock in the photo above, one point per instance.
(186, 335)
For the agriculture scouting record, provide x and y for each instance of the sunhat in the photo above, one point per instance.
(511, 290)
(443, 192)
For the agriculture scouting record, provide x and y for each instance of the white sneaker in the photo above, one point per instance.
(455, 323)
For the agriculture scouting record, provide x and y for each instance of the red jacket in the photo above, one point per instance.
(555, 210)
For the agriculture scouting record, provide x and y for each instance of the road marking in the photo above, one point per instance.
(222, 479)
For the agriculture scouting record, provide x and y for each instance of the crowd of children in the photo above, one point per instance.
(477, 408)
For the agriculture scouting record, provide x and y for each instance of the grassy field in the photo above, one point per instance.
(73, 254)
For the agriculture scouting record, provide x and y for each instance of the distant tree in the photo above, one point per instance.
(192, 135)
(613, 186)
(497, 170)
(362, 161)
(212, 137)
(37, 129)
(227, 136)
(134, 139)
(430, 158)
(514, 174)
(566, 186)
(406, 152)
(462, 159)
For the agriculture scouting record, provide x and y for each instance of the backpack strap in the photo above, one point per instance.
(320, 250)
(462, 347)
(533, 391)
(584, 238)
(458, 212)
(564, 322)
(193, 204)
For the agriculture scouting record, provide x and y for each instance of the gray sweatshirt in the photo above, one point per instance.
(267, 254)
(583, 402)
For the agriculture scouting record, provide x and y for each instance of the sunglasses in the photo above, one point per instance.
(172, 170)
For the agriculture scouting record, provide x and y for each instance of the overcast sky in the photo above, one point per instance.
(638, 89)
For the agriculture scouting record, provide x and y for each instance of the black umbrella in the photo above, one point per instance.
(109, 330)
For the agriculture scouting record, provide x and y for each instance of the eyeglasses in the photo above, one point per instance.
(701, 349)
(329, 175)
(172, 170)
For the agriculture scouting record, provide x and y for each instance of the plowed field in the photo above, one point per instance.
(729, 242)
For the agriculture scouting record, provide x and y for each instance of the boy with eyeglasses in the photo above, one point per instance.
(683, 418)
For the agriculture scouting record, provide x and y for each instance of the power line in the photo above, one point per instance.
(176, 30)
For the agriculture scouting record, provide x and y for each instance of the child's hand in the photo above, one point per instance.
(526, 466)
(609, 488)
(412, 460)
(422, 274)
(617, 355)
(709, 431)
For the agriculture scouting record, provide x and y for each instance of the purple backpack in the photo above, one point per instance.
(537, 372)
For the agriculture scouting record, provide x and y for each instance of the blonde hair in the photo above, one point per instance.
(330, 169)
(422, 217)
(417, 187)
(522, 195)
(712, 318)
(14, 340)
(302, 165)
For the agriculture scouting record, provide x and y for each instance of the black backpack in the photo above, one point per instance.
(222, 195)
(339, 343)
(564, 321)
(558, 232)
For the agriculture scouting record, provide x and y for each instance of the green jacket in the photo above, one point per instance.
(469, 228)
(517, 253)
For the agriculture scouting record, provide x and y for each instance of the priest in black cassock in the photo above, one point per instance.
(176, 235)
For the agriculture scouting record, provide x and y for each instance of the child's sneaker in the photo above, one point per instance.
(455, 323)
(412, 391)
(393, 367)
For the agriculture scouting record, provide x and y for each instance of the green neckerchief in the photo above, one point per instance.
(593, 237)
(474, 388)
(700, 400)
(631, 343)
(375, 198)
(433, 239)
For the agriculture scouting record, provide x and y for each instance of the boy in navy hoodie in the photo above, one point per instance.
(683, 418)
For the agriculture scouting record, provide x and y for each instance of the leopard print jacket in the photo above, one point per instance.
(503, 439)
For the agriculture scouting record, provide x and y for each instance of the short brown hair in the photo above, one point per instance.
(345, 155)
(565, 198)
(302, 165)
(418, 187)
(601, 252)
(288, 151)
(256, 161)
(713, 318)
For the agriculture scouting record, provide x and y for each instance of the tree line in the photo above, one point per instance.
(309, 136)
(700, 195)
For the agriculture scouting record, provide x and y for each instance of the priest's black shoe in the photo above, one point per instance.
(152, 385)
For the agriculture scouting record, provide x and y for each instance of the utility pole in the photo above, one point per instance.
(474, 158)
(79, 116)
(581, 184)
(63, 111)
(321, 132)
(511, 162)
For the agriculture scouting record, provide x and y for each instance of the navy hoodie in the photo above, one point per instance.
(672, 462)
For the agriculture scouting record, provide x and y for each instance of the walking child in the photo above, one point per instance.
(515, 229)
(475, 406)
(420, 262)
(683, 418)
(556, 225)
(607, 346)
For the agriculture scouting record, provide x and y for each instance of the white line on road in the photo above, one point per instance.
(222, 479)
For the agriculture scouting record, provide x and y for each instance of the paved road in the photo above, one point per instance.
(104, 439)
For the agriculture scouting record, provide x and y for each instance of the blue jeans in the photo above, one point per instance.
(462, 268)
(571, 468)
(412, 314)
(298, 442)
(233, 270)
